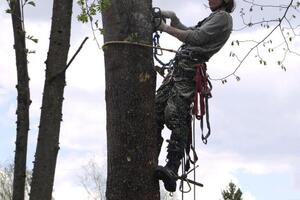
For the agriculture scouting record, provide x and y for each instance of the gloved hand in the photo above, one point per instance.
(171, 15)
(168, 14)
(163, 26)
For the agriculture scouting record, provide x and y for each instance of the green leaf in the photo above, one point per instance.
(31, 3)
(30, 37)
(83, 18)
(8, 11)
(101, 30)
(80, 2)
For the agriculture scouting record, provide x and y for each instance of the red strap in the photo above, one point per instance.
(200, 87)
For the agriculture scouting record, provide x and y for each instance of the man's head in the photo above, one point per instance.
(228, 5)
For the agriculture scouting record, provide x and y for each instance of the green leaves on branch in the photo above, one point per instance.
(235, 42)
(8, 11)
(262, 62)
(90, 10)
(30, 37)
(32, 3)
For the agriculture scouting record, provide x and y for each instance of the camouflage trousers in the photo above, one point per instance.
(173, 106)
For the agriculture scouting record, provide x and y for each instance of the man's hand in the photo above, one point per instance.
(168, 14)
(163, 26)
(171, 15)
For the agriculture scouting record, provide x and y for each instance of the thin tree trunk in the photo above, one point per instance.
(23, 102)
(130, 91)
(51, 114)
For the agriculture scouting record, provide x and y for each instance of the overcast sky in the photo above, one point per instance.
(255, 122)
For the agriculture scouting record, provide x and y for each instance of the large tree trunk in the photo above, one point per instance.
(130, 91)
(51, 114)
(23, 102)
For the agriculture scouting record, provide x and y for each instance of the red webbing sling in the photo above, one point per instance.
(202, 94)
(203, 89)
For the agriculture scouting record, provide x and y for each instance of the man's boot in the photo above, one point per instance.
(169, 173)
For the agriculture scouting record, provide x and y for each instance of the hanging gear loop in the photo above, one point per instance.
(202, 94)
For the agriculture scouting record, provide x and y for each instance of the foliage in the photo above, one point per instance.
(285, 24)
(90, 10)
(232, 192)
(6, 182)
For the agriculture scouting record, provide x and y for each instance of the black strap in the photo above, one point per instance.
(206, 136)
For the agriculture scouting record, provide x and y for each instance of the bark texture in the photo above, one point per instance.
(23, 102)
(51, 113)
(130, 91)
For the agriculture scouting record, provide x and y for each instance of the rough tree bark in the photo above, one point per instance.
(23, 100)
(51, 113)
(130, 91)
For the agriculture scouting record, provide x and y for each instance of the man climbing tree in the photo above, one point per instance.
(174, 97)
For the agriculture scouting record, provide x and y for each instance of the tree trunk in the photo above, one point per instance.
(130, 91)
(51, 114)
(23, 102)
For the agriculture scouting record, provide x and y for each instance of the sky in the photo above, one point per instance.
(255, 121)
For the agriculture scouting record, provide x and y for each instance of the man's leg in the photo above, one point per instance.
(177, 112)
(161, 98)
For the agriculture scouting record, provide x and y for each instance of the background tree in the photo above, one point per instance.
(232, 192)
(51, 114)
(6, 182)
(93, 180)
(23, 99)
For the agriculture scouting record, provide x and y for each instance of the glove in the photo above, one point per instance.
(168, 14)
(171, 15)
(163, 26)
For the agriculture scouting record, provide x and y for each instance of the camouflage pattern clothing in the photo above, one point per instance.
(175, 95)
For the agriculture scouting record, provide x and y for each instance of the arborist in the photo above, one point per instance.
(175, 96)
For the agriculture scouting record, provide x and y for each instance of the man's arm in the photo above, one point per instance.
(179, 34)
(175, 21)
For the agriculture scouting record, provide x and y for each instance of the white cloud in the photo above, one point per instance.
(248, 196)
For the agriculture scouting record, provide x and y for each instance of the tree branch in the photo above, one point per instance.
(279, 25)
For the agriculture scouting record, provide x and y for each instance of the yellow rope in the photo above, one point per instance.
(138, 44)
